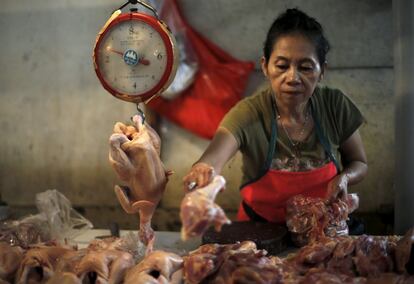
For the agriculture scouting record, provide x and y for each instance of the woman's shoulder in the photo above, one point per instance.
(330, 99)
(336, 111)
(249, 117)
(326, 93)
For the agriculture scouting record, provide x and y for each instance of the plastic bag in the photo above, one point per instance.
(188, 62)
(56, 221)
(218, 84)
(63, 221)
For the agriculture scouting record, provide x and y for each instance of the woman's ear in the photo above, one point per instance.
(263, 64)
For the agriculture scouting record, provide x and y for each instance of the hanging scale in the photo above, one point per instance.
(135, 55)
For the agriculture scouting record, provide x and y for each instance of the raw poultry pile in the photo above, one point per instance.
(364, 259)
(310, 219)
(329, 256)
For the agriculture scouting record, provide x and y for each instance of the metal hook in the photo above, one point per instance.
(141, 113)
(134, 2)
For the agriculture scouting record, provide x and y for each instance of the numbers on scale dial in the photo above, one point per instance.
(150, 65)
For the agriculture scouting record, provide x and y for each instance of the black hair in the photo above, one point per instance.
(296, 21)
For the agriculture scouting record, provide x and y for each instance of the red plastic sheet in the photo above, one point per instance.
(219, 83)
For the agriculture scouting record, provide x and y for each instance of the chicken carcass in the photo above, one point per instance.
(64, 278)
(10, 258)
(157, 267)
(103, 261)
(38, 264)
(404, 253)
(69, 261)
(372, 256)
(104, 266)
(207, 259)
(135, 156)
(232, 263)
(198, 210)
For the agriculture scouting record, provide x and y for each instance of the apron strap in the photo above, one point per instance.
(271, 148)
(253, 215)
(322, 139)
(273, 137)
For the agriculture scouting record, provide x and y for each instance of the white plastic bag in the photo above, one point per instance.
(63, 221)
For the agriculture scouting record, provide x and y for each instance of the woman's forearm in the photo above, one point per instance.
(221, 149)
(355, 172)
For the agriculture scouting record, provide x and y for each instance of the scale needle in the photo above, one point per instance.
(144, 61)
(141, 60)
(113, 50)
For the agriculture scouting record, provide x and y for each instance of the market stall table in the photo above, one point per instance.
(164, 240)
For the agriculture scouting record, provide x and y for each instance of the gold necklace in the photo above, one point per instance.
(302, 131)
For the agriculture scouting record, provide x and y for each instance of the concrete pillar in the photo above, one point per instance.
(403, 12)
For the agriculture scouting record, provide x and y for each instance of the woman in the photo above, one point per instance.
(295, 137)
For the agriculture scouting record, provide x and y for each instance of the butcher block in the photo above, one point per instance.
(271, 237)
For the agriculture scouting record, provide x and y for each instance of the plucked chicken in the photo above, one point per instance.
(135, 156)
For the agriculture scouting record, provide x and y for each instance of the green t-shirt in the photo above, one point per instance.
(250, 123)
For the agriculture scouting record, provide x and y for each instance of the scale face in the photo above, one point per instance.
(135, 57)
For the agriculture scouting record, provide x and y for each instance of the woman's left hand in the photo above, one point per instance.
(338, 187)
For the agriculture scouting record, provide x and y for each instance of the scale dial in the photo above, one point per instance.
(135, 57)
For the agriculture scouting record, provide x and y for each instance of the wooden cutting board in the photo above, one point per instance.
(269, 236)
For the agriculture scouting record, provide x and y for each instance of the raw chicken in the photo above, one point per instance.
(103, 261)
(69, 261)
(310, 219)
(344, 259)
(135, 156)
(10, 258)
(198, 210)
(39, 263)
(372, 256)
(64, 278)
(157, 267)
(232, 263)
(322, 276)
(248, 267)
(104, 266)
(404, 253)
(207, 259)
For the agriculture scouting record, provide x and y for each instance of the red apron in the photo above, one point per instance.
(264, 198)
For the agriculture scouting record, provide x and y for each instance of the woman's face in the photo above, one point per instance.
(293, 69)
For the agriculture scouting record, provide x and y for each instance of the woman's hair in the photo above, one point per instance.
(296, 21)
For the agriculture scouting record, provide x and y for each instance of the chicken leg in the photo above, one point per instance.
(198, 210)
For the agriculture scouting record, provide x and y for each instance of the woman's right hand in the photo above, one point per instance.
(200, 175)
